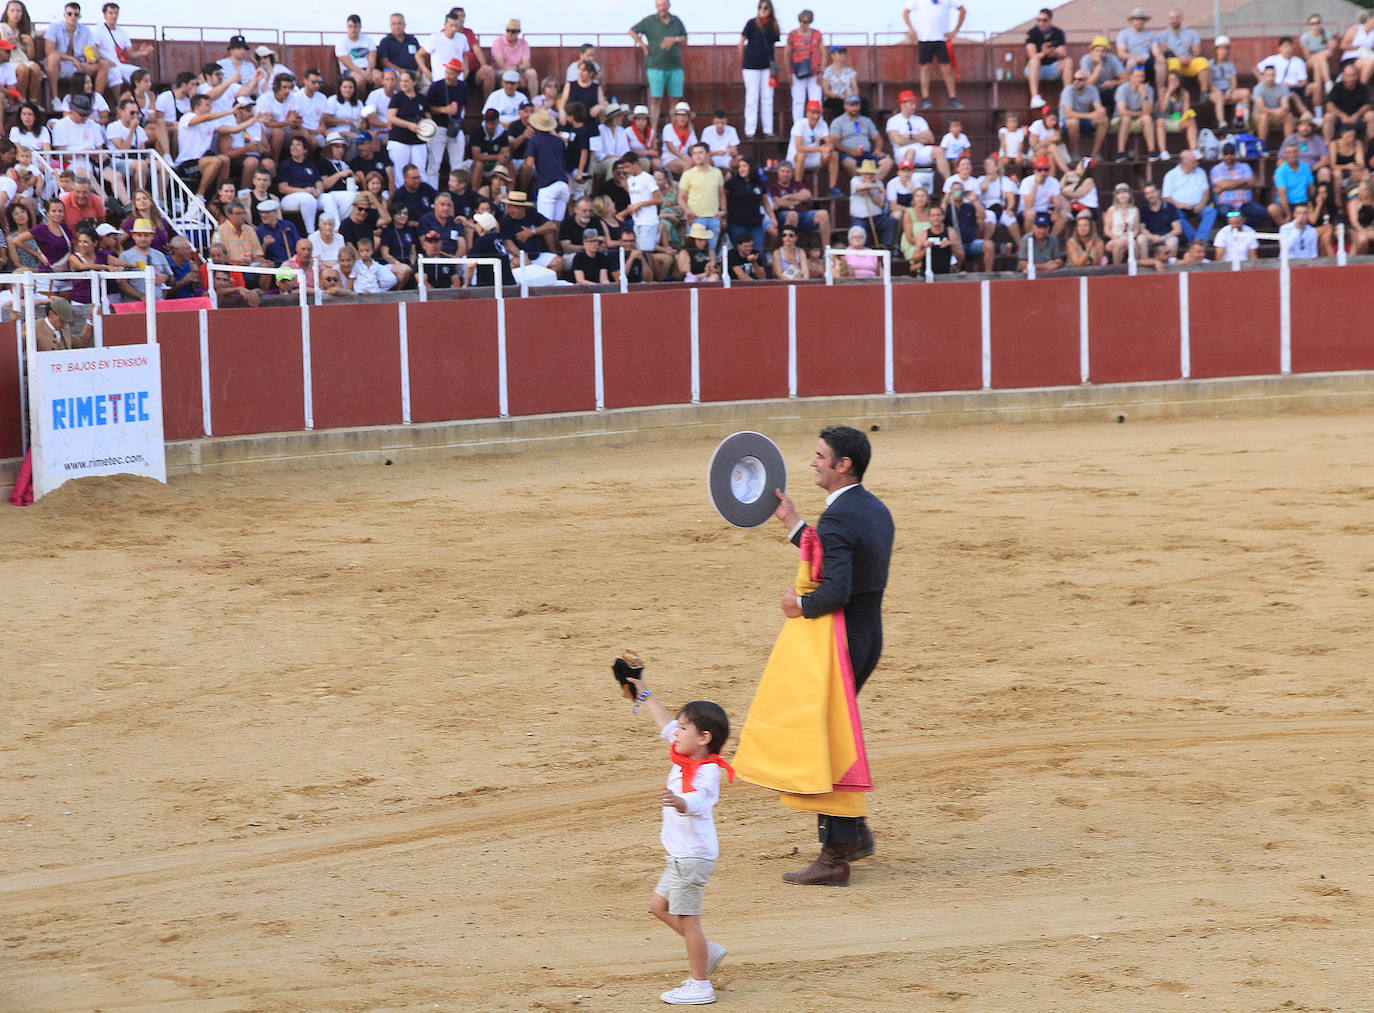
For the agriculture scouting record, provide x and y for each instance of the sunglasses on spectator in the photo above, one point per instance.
(1042, 170)
(1043, 21)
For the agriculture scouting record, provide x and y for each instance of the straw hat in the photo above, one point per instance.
(868, 165)
(699, 231)
(543, 121)
(519, 199)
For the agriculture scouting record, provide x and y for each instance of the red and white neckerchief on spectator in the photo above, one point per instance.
(645, 139)
(682, 135)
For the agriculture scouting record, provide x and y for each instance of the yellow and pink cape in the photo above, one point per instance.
(803, 737)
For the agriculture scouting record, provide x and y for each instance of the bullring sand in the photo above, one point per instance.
(347, 740)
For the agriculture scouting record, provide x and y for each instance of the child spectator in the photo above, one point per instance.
(689, 832)
(1224, 81)
(721, 140)
(1011, 144)
(955, 143)
(1047, 140)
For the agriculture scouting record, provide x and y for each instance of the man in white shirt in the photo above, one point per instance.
(1236, 241)
(1187, 188)
(175, 102)
(312, 102)
(115, 48)
(198, 145)
(721, 140)
(379, 101)
(213, 85)
(912, 139)
(279, 112)
(124, 134)
(77, 131)
(239, 70)
(507, 99)
(247, 145)
(1298, 238)
(932, 35)
(868, 206)
(1040, 194)
(446, 44)
(645, 199)
(357, 55)
(1289, 68)
(809, 147)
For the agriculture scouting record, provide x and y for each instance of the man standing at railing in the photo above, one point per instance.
(72, 49)
(933, 36)
(660, 37)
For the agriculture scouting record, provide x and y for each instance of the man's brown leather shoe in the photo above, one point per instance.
(831, 868)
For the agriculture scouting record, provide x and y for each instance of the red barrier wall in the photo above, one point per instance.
(11, 427)
(550, 364)
(1331, 318)
(355, 365)
(1133, 329)
(1035, 339)
(1233, 323)
(646, 348)
(257, 375)
(839, 340)
(937, 337)
(178, 335)
(453, 360)
(742, 343)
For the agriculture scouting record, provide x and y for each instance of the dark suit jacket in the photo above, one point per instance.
(856, 534)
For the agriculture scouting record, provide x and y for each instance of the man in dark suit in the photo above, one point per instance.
(856, 533)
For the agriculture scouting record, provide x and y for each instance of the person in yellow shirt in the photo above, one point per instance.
(701, 193)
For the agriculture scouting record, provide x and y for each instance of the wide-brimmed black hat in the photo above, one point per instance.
(744, 471)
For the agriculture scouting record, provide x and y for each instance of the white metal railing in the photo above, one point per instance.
(122, 172)
(889, 360)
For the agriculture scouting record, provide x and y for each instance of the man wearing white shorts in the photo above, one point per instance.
(912, 139)
(645, 199)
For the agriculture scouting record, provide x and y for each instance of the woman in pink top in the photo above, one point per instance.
(862, 262)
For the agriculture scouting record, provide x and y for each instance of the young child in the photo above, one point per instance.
(955, 142)
(1011, 145)
(696, 736)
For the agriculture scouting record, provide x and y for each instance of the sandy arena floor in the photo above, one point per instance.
(347, 740)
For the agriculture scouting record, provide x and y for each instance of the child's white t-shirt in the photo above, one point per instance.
(1011, 143)
(1039, 132)
(691, 834)
(955, 147)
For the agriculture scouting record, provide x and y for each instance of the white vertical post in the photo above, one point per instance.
(1235, 255)
(319, 296)
(930, 266)
(20, 293)
(1030, 256)
(524, 285)
(985, 307)
(889, 357)
(1132, 265)
(829, 272)
(203, 320)
(692, 295)
(502, 380)
(420, 280)
(1340, 244)
(624, 281)
(792, 332)
(31, 339)
(725, 260)
(308, 386)
(1285, 311)
(96, 317)
(403, 326)
(213, 293)
(149, 305)
(1083, 364)
(598, 361)
(1185, 338)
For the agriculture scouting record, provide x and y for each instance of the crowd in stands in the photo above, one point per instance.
(441, 148)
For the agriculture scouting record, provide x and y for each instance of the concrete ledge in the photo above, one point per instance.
(375, 445)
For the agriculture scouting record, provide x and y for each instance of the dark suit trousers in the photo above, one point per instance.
(864, 626)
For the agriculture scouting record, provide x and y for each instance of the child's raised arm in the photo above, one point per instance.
(638, 691)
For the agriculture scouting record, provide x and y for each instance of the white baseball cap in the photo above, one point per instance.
(485, 221)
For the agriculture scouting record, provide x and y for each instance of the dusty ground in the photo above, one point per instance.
(347, 740)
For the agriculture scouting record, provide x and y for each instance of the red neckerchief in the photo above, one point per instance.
(690, 766)
(643, 141)
(682, 135)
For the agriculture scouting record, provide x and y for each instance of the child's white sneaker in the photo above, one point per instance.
(690, 993)
(715, 953)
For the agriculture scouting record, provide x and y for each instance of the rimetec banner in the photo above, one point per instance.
(96, 411)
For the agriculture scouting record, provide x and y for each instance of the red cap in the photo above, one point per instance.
(1041, 163)
(907, 96)
(455, 63)
(907, 164)
(813, 104)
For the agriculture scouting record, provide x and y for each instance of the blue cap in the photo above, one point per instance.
(1044, 218)
(364, 135)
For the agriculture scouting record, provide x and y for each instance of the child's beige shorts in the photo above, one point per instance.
(683, 884)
